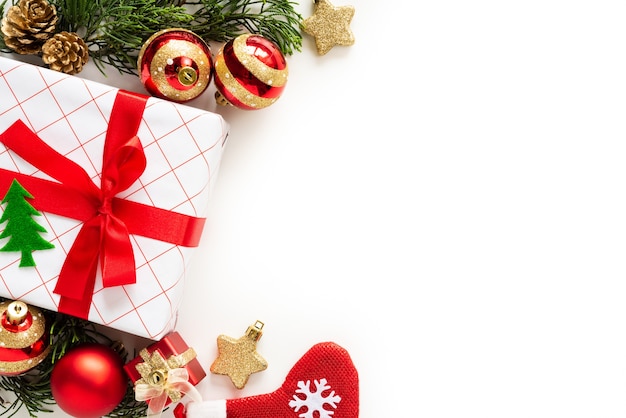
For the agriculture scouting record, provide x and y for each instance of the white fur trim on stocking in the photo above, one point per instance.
(206, 409)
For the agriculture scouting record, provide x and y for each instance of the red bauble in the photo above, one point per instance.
(89, 381)
(175, 64)
(250, 72)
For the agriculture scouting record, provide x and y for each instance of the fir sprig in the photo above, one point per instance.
(276, 20)
(32, 391)
(115, 30)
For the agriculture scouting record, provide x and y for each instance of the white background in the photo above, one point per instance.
(445, 199)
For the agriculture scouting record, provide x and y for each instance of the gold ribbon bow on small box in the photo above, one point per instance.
(162, 379)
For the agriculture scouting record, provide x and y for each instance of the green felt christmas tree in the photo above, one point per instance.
(22, 229)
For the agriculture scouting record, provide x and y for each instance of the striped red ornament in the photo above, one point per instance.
(25, 337)
(175, 64)
(250, 72)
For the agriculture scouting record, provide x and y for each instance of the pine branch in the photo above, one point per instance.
(32, 391)
(276, 20)
(115, 30)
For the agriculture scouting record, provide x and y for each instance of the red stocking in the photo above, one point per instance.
(322, 384)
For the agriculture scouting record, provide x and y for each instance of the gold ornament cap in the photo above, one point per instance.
(17, 311)
(254, 332)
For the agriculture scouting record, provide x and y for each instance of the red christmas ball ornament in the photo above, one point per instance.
(250, 72)
(89, 381)
(24, 338)
(175, 64)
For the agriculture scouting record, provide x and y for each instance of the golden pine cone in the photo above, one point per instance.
(28, 25)
(65, 52)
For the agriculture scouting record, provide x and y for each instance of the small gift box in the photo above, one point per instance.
(164, 372)
(122, 182)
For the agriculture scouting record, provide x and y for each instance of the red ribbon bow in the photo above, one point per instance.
(108, 221)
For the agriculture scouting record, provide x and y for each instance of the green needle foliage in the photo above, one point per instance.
(274, 19)
(32, 391)
(115, 30)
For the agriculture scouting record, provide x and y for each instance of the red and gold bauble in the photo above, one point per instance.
(89, 381)
(250, 72)
(175, 64)
(24, 338)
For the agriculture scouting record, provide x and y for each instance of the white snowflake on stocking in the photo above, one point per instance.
(314, 401)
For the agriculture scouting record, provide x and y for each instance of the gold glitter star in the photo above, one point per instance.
(329, 25)
(238, 358)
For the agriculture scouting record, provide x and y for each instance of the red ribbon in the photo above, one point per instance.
(107, 220)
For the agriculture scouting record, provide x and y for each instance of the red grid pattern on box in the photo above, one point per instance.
(183, 147)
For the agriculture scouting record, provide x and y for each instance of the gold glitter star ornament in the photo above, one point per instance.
(237, 358)
(330, 26)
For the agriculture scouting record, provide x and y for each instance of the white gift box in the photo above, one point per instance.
(183, 147)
